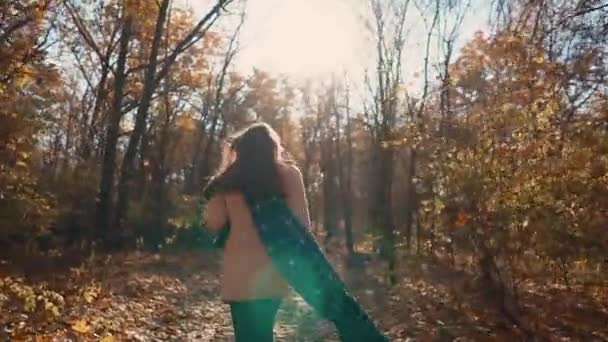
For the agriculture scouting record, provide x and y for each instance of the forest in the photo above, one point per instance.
(466, 200)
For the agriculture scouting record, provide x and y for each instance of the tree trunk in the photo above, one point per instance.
(68, 139)
(144, 166)
(104, 212)
(330, 217)
(205, 169)
(410, 206)
(141, 117)
(157, 228)
(381, 208)
(100, 98)
(345, 179)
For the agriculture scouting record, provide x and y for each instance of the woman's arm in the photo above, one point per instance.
(296, 194)
(216, 214)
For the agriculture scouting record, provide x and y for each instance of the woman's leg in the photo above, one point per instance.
(253, 320)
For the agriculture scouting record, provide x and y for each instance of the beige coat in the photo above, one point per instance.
(247, 270)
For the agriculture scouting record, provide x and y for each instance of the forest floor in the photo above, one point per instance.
(174, 297)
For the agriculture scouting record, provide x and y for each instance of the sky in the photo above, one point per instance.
(306, 39)
(302, 37)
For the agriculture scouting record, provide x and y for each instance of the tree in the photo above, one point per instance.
(381, 116)
(104, 217)
(27, 84)
(326, 113)
(506, 160)
(152, 79)
(345, 170)
(94, 61)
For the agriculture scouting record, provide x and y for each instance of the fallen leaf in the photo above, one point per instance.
(81, 326)
(462, 219)
(108, 338)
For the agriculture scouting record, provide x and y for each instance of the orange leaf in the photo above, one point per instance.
(462, 219)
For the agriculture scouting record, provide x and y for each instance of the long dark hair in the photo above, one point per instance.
(254, 172)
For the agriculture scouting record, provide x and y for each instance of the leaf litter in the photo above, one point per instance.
(175, 297)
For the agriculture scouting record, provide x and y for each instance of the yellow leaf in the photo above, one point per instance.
(108, 338)
(55, 312)
(81, 326)
(89, 296)
(90, 293)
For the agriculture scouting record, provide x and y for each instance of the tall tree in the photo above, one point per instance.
(28, 86)
(345, 167)
(152, 79)
(382, 114)
(149, 87)
(328, 163)
(104, 212)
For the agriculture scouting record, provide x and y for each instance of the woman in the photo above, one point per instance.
(261, 197)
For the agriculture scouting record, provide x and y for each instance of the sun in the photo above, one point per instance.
(302, 37)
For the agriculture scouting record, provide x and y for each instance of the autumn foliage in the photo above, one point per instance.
(466, 199)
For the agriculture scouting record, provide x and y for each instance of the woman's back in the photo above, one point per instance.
(252, 164)
(247, 271)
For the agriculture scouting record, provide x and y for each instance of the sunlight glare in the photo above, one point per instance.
(301, 37)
